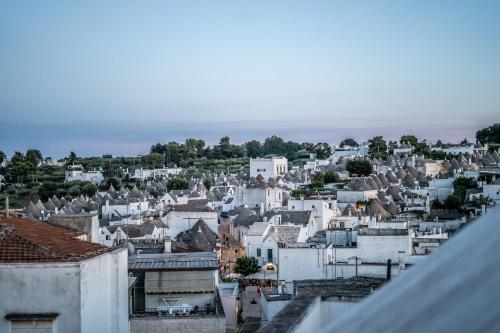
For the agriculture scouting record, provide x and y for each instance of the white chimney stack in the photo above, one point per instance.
(7, 206)
(168, 245)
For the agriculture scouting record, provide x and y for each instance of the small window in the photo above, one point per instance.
(32, 322)
(32, 326)
(313, 206)
(259, 252)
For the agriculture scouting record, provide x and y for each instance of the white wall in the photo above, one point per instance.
(41, 288)
(269, 309)
(124, 210)
(354, 196)
(492, 191)
(301, 264)
(268, 167)
(178, 221)
(89, 296)
(104, 293)
(312, 318)
(254, 197)
(324, 210)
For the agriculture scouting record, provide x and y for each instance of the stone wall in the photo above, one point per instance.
(212, 324)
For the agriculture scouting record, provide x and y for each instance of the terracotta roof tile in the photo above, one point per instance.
(25, 240)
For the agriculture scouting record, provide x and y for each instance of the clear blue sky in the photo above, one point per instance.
(116, 76)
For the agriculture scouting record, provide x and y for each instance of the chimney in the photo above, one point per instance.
(168, 244)
(7, 206)
(107, 208)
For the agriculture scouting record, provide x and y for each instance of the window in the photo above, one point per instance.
(259, 252)
(32, 326)
(32, 322)
(270, 255)
(261, 170)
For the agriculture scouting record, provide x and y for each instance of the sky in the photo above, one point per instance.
(117, 76)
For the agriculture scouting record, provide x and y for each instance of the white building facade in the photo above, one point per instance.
(268, 167)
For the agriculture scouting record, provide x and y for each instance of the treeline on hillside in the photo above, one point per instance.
(490, 135)
(182, 153)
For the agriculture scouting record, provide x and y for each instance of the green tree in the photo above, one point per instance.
(348, 142)
(20, 166)
(331, 177)
(2, 157)
(34, 156)
(409, 140)
(89, 189)
(207, 183)
(111, 181)
(111, 170)
(153, 160)
(482, 200)
(377, 145)
(254, 149)
(322, 150)
(177, 183)
(318, 180)
(274, 145)
(74, 191)
(157, 148)
(359, 167)
(460, 187)
(489, 134)
(71, 158)
(246, 265)
(47, 190)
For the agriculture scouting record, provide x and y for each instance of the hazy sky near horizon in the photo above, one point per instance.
(116, 76)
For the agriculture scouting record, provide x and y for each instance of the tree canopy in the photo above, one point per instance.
(489, 134)
(359, 167)
(254, 149)
(177, 183)
(246, 265)
(377, 146)
(348, 142)
(409, 140)
(153, 160)
(331, 177)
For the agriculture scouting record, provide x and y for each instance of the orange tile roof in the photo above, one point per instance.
(25, 240)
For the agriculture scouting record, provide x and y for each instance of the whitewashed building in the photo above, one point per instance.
(56, 283)
(268, 167)
(84, 176)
